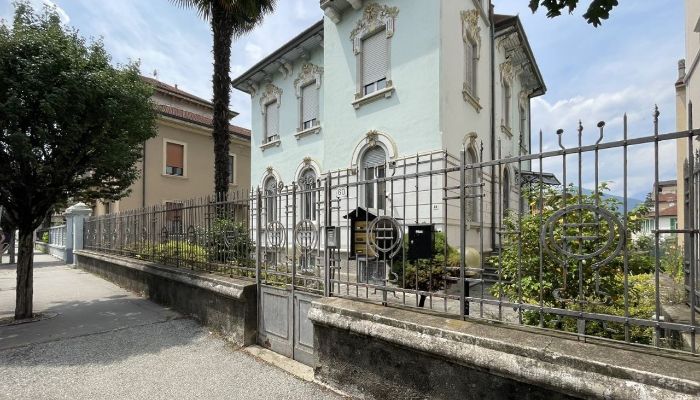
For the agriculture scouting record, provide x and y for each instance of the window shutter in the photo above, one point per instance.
(309, 100)
(469, 60)
(374, 157)
(175, 155)
(375, 60)
(272, 120)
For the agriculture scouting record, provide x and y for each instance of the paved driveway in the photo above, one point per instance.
(102, 342)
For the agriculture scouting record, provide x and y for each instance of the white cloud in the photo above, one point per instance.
(61, 12)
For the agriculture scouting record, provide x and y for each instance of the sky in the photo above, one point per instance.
(629, 64)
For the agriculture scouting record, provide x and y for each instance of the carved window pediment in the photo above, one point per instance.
(271, 93)
(308, 74)
(471, 31)
(374, 18)
(507, 72)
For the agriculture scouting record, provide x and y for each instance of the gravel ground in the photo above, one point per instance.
(177, 359)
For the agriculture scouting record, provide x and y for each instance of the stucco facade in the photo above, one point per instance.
(423, 106)
(184, 120)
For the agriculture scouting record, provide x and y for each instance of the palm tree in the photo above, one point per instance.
(229, 19)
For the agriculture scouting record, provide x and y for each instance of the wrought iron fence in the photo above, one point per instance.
(205, 234)
(529, 239)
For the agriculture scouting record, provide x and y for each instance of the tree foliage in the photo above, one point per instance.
(598, 10)
(561, 282)
(71, 124)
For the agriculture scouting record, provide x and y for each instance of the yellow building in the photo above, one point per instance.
(178, 163)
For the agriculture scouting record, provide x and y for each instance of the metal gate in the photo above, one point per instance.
(290, 272)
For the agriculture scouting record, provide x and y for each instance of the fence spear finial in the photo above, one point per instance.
(560, 133)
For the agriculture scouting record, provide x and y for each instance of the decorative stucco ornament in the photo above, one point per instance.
(374, 18)
(471, 29)
(270, 93)
(372, 137)
(507, 71)
(309, 73)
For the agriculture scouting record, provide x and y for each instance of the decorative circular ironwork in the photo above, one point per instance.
(385, 235)
(164, 233)
(191, 234)
(306, 234)
(569, 246)
(144, 234)
(276, 234)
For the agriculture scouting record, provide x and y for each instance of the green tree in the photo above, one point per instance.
(228, 19)
(597, 11)
(71, 126)
(561, 280)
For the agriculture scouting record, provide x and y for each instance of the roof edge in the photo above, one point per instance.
(291, 44)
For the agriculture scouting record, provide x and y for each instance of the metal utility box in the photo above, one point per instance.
(333, 237)
(420, 242)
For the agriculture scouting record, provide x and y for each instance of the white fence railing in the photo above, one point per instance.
(57, 236)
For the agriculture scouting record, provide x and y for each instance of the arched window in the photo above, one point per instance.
(307, 185)
(374, 167)
(270, 199)
(472, 191)
(506, 191)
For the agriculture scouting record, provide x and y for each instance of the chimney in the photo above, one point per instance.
(681, 69)
(680, 83)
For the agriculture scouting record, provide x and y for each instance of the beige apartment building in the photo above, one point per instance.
(687, 91)
(178, 163)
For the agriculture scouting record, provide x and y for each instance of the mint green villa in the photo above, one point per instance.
(381, 82)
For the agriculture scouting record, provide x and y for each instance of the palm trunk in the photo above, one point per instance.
(25, 275)
(222, 29)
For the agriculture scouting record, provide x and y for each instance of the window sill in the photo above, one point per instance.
(174, 176)
(384, 93)
(474, 101)
(315, 130)
(506, 130)
(273, 143)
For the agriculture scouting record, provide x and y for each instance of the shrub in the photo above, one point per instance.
(559, 283)
(427, 275)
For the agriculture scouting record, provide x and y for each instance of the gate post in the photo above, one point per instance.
(75, 223)
(322, 236)
(464, 286)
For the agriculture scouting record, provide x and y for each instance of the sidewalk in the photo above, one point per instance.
(102, 342)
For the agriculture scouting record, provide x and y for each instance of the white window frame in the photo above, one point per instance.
(376, 187)
(376, 19)
(185, 168)
(507, 104)
(271, 94)
(267, 138)
(310, 75)
(471, 36)
(310, 194)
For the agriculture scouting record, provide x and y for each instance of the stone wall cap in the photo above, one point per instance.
(595, 368)
(229, 287)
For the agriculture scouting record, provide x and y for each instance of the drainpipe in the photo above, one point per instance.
(143, 177)
(493, 126)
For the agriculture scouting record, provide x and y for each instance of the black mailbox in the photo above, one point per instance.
(420, 242)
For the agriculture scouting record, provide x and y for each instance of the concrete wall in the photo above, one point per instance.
(375, 352)
(224, 304)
